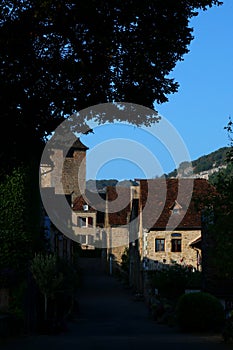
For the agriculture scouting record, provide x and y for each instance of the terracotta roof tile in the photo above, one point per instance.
(95, 201)
(96, 204)
(118, 205)
(159, 196)
(163, 206)
(79, 203)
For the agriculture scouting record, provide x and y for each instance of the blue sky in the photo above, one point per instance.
(198, 112)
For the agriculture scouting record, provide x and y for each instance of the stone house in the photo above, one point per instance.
(118, 206)
(157, 223)
(55, 239)
(65, 173)
(97, 220)
(169, 225)
(62, 175)
(101, 220)
(88, 217)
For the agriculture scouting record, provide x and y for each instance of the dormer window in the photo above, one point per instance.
(176, 208)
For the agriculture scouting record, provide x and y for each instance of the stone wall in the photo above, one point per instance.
(118, 240)
(68, 175)
(187, 256)
(74, 174)
(51, 174)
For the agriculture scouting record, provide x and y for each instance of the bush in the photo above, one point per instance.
(172, 281)
(200, 312)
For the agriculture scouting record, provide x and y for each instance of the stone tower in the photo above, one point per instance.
(74, 170)
(66, 173)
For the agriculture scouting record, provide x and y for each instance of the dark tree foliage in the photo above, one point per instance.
(19, 223)
(200, 312)
(60, 56)
(212, 160)
(218, 245)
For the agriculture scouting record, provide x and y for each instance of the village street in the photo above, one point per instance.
(111, 319)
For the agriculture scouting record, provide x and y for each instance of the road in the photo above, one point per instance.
(109, 319)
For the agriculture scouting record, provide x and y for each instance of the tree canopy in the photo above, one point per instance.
(60, 56)
(218, 238)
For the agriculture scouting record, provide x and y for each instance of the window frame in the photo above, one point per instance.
(88, 220)
(86, 239)
(176, 245)
(159, 242)
(83, 239)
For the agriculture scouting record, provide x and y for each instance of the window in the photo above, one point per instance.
(176, 208)
(176, 211)
(176, 245)
(82, 239)
(85, 221)
(160, 245)
(90, 239)
(90, 221)
(86, 239)
(81, 222)
(176, 235)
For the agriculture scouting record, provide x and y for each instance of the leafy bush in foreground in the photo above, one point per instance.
(200, 312)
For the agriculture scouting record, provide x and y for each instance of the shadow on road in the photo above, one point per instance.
(109, 318)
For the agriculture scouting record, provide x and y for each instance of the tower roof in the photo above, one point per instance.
(60, 141)
(78, 145)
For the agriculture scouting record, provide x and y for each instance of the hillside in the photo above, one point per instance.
(203, 166)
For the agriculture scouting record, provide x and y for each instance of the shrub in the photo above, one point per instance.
(169, 281)
(200, 312)
(173, 280)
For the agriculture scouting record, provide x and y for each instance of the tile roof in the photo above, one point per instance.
(96, 204)
(61, 140)
(163, 206)
(196, 243)
(78, 145)
(79, 203)
(94, 200)
(159, 197)
(118, 205)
